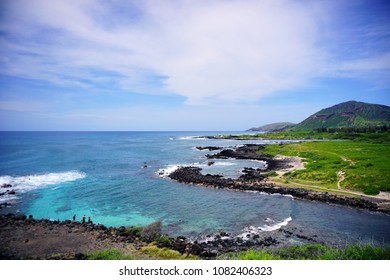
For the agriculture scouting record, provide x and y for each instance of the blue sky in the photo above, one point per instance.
(187, 65)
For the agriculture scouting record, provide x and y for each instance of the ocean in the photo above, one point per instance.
(119, 179)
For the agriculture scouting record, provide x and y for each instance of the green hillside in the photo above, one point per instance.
(351, 114)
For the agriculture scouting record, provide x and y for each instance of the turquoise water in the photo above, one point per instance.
(102, 175)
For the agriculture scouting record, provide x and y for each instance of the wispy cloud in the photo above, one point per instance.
(203, 50)
(206, 51)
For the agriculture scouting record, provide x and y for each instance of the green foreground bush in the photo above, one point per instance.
(304, 252)
(317, 252)
(112, 254)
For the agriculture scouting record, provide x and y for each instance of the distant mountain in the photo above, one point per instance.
(272, 127)
(351, 114)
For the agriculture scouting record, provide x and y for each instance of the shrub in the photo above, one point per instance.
(371, 190)
(165, 253)
(257, 255)
(112, 254)
(134, 231)
(312, 251)
(318, 252)
(164, 241)
(151, 232)
(366, 253)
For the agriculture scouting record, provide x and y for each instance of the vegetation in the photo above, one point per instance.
(151, 250)
(165, 253)
(301, 252)
(316, 252)
(134, 231)
(273, 127)
(360, 164)
(112, 254)
(363, 158)
(151, 232)
(164, 241)
(157, 248)
(364, 165)
(341, 134)
(349, 114)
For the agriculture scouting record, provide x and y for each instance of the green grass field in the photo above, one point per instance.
(365, 164)
(377, 137)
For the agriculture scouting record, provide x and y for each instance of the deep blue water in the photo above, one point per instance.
(102, 175)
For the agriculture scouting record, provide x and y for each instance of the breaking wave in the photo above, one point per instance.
(270, 225)
(164, 172)
(23, 184)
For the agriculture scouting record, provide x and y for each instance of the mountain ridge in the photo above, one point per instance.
(351, 115)
(272, 127)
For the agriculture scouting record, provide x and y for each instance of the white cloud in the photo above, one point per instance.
(375, 68)
(231, 50)
(377, 63)
(207, 51)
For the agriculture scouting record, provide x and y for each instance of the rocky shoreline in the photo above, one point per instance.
(6, 190)
(256, 180)
(24, 237)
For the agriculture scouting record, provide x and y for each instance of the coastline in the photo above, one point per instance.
(24, 237)
(256, 179)
(192, 175)
(28, 238)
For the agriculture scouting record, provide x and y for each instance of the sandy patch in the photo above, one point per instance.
(294, 163)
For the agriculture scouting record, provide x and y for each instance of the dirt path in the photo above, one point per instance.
(341, 175)
(296, 163)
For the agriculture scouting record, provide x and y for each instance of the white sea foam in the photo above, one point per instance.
(222, 163)
(269, 226)
(22, 184)
(272, 194)
(186, 137)
(215, 163)
(239, 146)
(164, 172)
(7, 197)
(193, 137)
(279, 194)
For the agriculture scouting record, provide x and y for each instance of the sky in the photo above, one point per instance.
(166, 65)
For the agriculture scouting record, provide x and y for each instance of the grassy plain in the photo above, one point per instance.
(364, 165)
(360, 162)
(377, 137)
